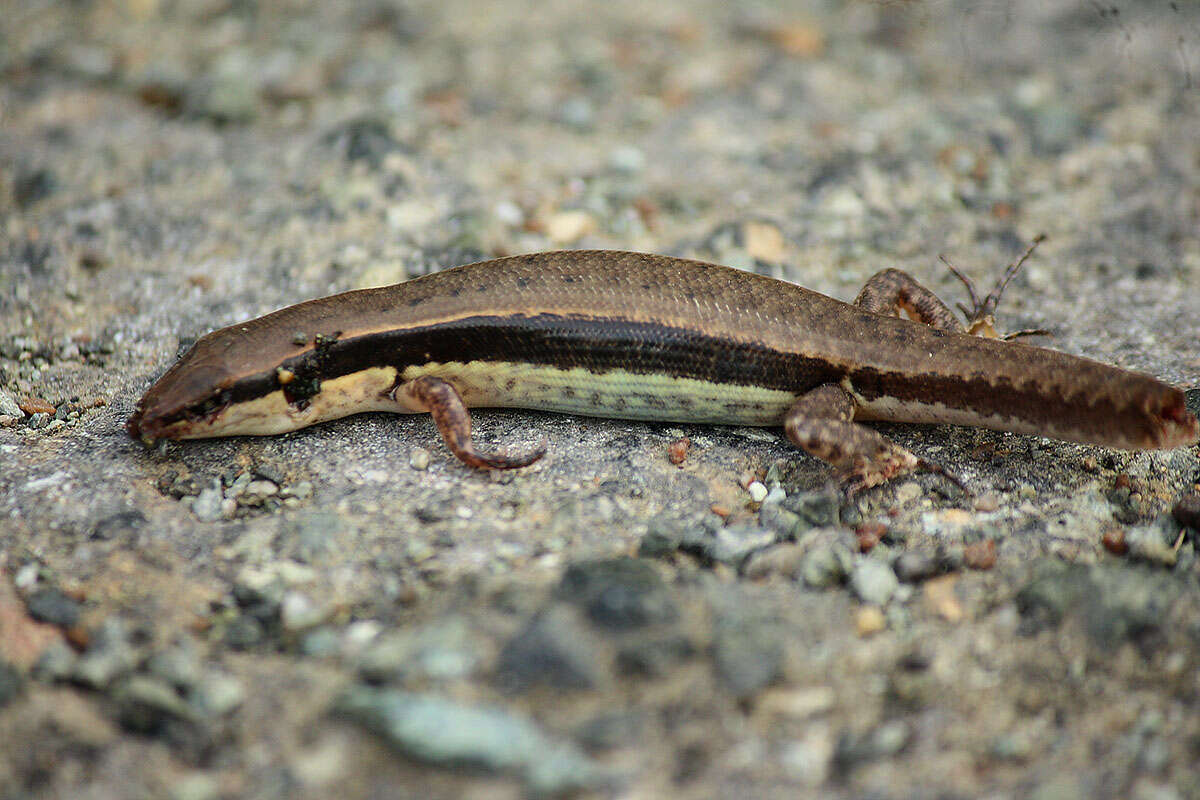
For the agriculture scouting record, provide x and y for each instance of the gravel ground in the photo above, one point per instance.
(346, 611)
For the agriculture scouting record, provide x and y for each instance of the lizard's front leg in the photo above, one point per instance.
(453, 421)
(891, 291)
(821, 423)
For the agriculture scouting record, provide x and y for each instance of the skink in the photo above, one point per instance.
(649, 337)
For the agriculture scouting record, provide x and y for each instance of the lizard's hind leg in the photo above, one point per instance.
(821, 423)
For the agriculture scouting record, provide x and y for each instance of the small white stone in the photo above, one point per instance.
(567, 227)
(757, 491)
(509, 213)
(418, 458)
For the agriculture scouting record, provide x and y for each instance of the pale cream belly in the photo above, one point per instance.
(615, 394)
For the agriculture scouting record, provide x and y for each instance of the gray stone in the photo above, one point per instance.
(56, 663)
(449, 734)
(784, 559)
(1051, 592)
(109, 656)
(178, 665)
(216, 694)
(52, 606)
(815, 509)
(873, 581)
(256, 587)
(785, 523)
(555, 649)
(747, 653)
(244, 632)
(654, 656)
(619, 593)
(609, 730)
(145, 704)
(9, 407)
(732, 545)
(10, 683)
(207, 505)
(914, 566)
(826, 565)
(1115, 604)
(884, 741)
(661, 540)
(445, 650)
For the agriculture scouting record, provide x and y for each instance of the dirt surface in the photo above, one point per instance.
(347, 611)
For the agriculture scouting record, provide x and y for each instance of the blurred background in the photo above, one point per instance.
(171, 166)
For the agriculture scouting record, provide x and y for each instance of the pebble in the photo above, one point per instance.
(567, 227)
(145, 704)
(826, 566)
(1116, 603)
(207, 505)
(10, 683)
(39, 420)
(609, 730)
(980, 555)
(869, 620)
(27, 576)
(797, 702)
(815, 509)
(578, 112)
(554, 649)
(9, 407)
(882, 742)
(244, 632)
(661, 539)
(914, 566)
(809, 760)
(748, 653)
(298, 612)
(443, 651)
(940, 597)
(256, 492)
(733, 544)
(450, 734)
(418, 458)
(52, 606)
(509, 213)
(300, 491)
(784, 560)
(217, 694)
(873, 581)
(258, 587)
(109, 656)
(757, 492)
(654, 657)
(627, 159)
(196, 786)
(619, 593)
(55, 663)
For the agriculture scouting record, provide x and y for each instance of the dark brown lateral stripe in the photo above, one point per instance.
(562, 342)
